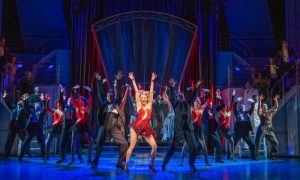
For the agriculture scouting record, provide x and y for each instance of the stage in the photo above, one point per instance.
(35, 168)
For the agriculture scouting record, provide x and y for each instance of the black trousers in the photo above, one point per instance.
(214, 138)
(14, 130)
(190, 140)
(200, 144)
(237, 137)
(118, 134)
(33, 129)
(65, 142)
(230, 145)
(268, 133)
(54, 131)
(80, 131)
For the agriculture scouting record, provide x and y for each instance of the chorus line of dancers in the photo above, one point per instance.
(192, 118)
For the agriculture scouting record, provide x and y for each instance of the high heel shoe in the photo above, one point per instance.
(152, 168)
(126, 168)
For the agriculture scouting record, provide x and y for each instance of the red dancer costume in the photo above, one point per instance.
(56, 127)
(80, 129)
(141, 126)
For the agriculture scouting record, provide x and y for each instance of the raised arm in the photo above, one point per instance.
(275, 107)
(8, 104)
(136, 90)
(117, 87)
(232, 101)
(47, 104)
(100, 89)
(124, 100)
(89, 105)
(253, 101)
(74, 91)
(61, 95)
(235, 108)
(195, 93)
(151, 92)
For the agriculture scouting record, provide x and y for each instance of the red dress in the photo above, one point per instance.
(142, 126)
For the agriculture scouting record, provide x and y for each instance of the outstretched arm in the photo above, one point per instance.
(47, 108)
(151, 92)
(136, 90)
(100, 89)
(8, 104)
(124, 100)
(117, 87)
(195, 93)
(74, 91)
(275, 108)
(232, 101)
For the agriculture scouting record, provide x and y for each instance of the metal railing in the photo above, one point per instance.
(50, 43)
(46, 74)
(239, 75)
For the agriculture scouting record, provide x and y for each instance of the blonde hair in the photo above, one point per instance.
(146, 93)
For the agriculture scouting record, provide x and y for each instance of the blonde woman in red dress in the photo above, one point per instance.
(141, 126)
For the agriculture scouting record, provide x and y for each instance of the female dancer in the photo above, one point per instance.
(56, 127)
(80, 129)
(197, 112)
(168, 127)
(141, 126)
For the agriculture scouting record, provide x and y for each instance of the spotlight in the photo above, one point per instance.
(237, 69)
(51, 66)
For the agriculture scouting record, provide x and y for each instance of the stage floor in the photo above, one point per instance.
(35, 168)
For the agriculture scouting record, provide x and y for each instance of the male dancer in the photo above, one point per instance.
(17, 124)
(69, 120)
(243, 125)
(265, 129)
(111, 121)
(34, 126)
(183, 125)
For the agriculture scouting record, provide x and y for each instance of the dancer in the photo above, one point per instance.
(56, 127)
(34, 126)
(197, 112)
(168, 127)
(141, 126)
(224, 123)
(243, 125)
(210, 120)
(111, 119)
(80, 128)
(69, 120)
(158, 116)
(183, 125)
(265, 129)
(17, 124)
